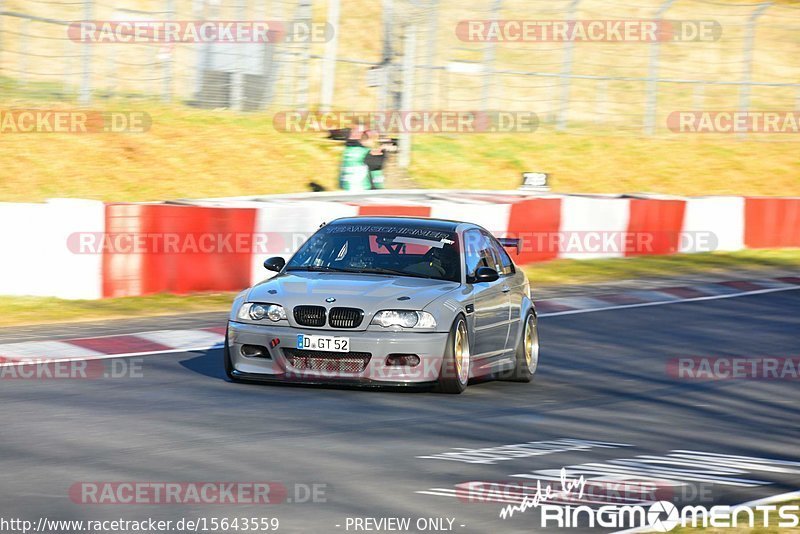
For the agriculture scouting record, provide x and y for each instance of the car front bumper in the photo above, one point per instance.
(429, 346)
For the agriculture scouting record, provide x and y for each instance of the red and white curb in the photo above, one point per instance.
(112, 346)
(666, 295)
(166, 341)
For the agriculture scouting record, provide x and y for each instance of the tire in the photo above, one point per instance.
(527, 353)
(226, 358)
(454, 375)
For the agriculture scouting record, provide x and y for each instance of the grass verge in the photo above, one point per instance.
(191, 153)
(559, 272)
(39, 310)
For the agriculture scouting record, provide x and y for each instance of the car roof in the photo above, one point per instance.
(443, 225)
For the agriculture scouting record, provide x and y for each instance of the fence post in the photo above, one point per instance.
(652, 74)
(698, 96)
(22, 61)
(199, 13)
(304, 17)
(237, 78)
(86, 79)
(1, 33)
(566, 71)
(273, 58)
(601, 101)
(329, 59)
(488, 60)
(747, 58)
(166, 94)
(386, 78)
(407, 103)
(430, 62)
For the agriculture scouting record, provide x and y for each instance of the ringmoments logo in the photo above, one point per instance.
(555, 502)
(663, 516)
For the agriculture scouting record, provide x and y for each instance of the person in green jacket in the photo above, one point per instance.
(374, 158)
(362, 162)
(354, 173)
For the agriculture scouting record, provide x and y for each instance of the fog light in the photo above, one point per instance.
(404, 360)
(255, 351)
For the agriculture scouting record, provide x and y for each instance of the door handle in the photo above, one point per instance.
(506, 289)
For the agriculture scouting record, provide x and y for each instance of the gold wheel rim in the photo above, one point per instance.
(461, 352)
(531, 344)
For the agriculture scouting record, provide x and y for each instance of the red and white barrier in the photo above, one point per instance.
(37, 257)
(52, 249)
(158, 248)
(724, 216)
(586, 214)
(772, 222)
(284, 227)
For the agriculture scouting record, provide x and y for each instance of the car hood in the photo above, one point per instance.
(369, 292)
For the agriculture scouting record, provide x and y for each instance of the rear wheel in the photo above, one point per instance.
(527, 354)
(454, 375)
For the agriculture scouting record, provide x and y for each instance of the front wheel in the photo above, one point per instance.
(527, 354)
(454, 375)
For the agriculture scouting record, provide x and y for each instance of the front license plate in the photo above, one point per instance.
(329, 343)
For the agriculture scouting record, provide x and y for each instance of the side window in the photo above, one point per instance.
(506, 265)
(479, 252)
(472, 255)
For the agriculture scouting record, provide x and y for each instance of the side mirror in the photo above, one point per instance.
(484, 274)
(275, 263)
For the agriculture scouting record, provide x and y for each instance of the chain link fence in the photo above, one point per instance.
(413, 54)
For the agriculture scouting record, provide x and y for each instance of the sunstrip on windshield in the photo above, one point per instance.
(383, 229)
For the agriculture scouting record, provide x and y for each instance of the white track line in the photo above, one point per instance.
(47, 361)
(783, 497)
(553, 314)
(665, 302)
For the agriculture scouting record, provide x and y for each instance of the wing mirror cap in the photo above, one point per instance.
(484, 274)
(275, 263)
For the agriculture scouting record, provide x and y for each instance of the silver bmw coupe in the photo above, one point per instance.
(388, 301)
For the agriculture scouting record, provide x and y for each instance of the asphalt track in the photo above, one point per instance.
(602, 378)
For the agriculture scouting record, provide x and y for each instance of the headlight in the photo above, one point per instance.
(404, 318)
(255, 312)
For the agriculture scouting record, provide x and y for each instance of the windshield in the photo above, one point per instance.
(381, 249)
